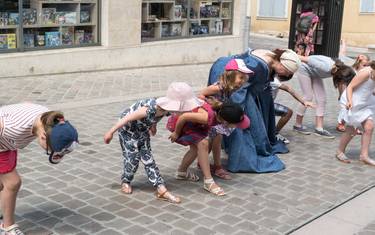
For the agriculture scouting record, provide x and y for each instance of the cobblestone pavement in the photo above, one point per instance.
(368, 230)
(81, 195)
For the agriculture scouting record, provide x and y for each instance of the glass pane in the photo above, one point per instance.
(9, 21)
(57, 23)
(367, 5)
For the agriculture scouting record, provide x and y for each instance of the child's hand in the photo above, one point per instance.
(349, 105)
(309, 104)
(173, 137)
(108, 137)
(153, 130)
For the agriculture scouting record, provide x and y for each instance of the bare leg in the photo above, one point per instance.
(299, 120)
(346, 137)
(284, 120)
(203, 159)
(11, 184)
(216, 150)
(368, 127)
(319, 121)
(189, 158)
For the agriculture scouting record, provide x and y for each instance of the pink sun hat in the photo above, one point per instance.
(239, 65)
(180, 98)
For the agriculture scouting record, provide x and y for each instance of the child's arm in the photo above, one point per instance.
(153, 129)
(296, 96)
(139, 114)
(200, 117)
(210, 90)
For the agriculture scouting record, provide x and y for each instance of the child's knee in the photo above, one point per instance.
(289, 114)
(13, 185)
(203, 144)
(368, 126)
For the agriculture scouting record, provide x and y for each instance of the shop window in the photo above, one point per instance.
(367, 6)
(272, 8)
(172, 19)
(48, 24)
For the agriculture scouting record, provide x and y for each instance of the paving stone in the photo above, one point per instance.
(103, 216)
(136, 230)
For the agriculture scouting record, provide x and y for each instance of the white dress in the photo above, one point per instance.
(363, 103)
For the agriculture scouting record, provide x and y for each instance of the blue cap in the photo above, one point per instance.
(62, 136)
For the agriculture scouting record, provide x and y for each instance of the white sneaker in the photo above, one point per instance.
(11, 230)
(282, 138)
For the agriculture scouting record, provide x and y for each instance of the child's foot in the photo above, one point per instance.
(126, 188)
(212, 187)
(358, 132)
(167, 196)
(340, 127)
(367, 160)
(342, 157)
(324, 133)
(11, 230)
(220, 172)
(282, 139)
(187, 175)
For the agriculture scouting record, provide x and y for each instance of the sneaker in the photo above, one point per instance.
(302, 130)
(11, 230)
(282, 138)
(324, 133)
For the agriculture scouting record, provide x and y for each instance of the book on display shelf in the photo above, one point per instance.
(52, 39)
(49, 15)
(176, 29)
(60, 18)
(40, 40)
(4, 18)
(85, 17)
(79, 36)
(88, 37)
(12, 41)
(177, 12)
(3, 41)
(67, 35)
(29, 40)
(29, 16)
(70, 17)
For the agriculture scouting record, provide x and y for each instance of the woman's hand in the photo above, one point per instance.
(173, 137)
(349, 105)
(108, 137)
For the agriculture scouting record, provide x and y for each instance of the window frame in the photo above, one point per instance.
(366, 12)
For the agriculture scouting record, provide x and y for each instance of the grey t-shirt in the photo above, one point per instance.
(318, 66)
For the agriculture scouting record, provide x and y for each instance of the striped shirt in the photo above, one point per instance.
(16, 125)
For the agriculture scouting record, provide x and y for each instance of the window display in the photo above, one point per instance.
(47, 24)
(165, 19)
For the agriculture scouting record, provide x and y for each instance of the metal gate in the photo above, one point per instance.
(328, 32)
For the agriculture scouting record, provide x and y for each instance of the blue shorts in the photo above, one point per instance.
(280, 110)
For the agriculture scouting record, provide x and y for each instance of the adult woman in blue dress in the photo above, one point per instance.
(253, 149)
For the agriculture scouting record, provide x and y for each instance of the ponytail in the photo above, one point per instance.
(341, 73)
(49, 120)
(372, 64)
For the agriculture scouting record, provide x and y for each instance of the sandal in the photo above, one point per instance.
(209, 185)
(358, 132)
(367, 160)
(222, 173)
(167, 196)
(11, 230)
(188, 175)
(342, 157)
(126, 188)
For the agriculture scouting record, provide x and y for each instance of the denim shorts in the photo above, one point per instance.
(280, 110)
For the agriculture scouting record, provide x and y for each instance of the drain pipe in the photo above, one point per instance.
(246, 26)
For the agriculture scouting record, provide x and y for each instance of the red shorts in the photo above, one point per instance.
(8, 161)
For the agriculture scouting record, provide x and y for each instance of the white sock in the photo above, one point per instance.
(319, 128)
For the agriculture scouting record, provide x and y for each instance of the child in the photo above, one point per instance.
(284, 112)
(192, 128)
(135, 126)
(311, 73)
(358, 108)
(235, 75)
(360, 62)
(20, 124)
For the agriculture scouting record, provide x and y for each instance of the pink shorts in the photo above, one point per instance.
(8, 161)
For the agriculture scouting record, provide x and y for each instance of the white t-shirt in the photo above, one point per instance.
(275, 86)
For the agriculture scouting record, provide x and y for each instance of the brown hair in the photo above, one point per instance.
(49, 120)
(215, 103)
(372, 64)
(357, 62)
(227, 80)
(276, 54)
(341, 73)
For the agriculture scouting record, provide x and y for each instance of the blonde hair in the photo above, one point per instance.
(227, 80)
(49, 120)
(358, 61)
